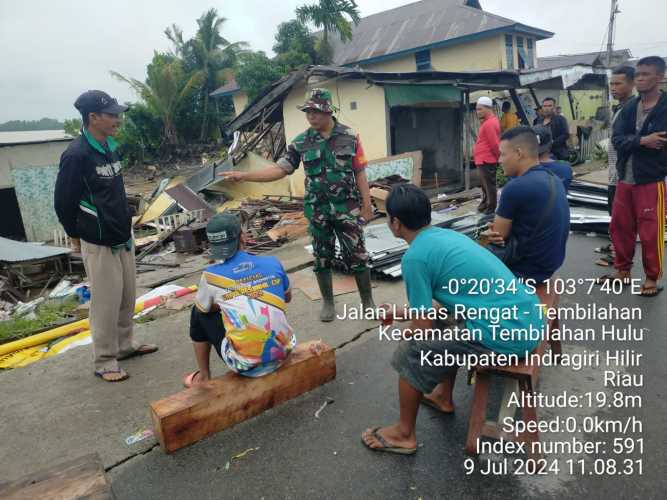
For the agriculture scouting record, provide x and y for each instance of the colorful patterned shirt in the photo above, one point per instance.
(250, 291)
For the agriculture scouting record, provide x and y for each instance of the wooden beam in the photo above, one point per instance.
(79, 478)
(190, 415)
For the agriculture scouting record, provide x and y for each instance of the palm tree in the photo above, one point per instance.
(165, 88)
(209, 55)
(329, 16)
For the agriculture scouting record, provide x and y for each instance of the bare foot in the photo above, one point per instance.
(392, 435)
(438, 402)
(195, 378)
(200, 378)
(650, 288)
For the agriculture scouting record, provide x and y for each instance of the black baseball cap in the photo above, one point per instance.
(96, 101)
(223, 232)
(544, 138)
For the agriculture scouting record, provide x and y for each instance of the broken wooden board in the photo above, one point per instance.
(379, 197)
(291, 226)
(600, 177)
(79, 478)
(190, 415)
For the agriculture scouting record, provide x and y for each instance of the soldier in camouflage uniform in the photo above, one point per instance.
(337, 197)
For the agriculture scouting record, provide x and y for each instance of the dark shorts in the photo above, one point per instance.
(207, 327)
(423, 377)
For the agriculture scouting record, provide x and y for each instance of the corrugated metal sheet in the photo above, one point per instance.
(188, 200)
(415, 25)
(588, 59)
(17, 251)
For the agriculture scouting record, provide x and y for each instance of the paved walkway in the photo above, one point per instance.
(55, 410)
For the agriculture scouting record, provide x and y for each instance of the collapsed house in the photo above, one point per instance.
(394, 113)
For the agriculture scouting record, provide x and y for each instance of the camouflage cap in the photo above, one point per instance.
(320, 100)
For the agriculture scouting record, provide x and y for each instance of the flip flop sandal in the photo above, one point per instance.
(653, 293)
(142, 350)
(431, 404)
(102, 373)
(610, 277)
(605, 261)
(386, 447)
(189, 379)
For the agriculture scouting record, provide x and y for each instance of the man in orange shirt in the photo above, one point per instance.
(509, 119)
(486, 152)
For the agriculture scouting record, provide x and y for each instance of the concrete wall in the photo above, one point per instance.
(484, 54)
(28, 155)
(369, 119)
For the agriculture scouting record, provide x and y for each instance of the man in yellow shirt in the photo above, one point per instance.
(509, 119)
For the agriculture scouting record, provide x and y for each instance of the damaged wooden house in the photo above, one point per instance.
(405, 83)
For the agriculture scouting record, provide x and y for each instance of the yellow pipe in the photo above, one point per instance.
(61, 331)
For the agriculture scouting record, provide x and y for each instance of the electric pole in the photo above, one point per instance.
(612, 23)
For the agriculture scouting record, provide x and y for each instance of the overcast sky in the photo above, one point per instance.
(52, 50)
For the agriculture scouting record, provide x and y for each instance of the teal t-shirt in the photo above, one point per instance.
(450, 268)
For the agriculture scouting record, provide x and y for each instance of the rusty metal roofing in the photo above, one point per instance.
(589, 59)
(267, 106)
(229, 88)
(18, 251)
(421, 25)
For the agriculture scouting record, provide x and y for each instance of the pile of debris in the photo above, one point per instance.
(271, 221)
(588, 207)
(455, 211)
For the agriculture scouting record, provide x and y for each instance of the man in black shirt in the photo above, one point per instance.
(560, 131)
(91, 205)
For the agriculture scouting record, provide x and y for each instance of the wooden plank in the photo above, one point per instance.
(190, 415)
(79, 478)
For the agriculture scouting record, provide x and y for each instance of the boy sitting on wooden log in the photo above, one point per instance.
(240, 307)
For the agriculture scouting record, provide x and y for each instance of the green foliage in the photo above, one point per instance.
(293, 37)
(330, 17)
(600, 153)
(47, 314)
(25, 125)
(140, 135)
(254, 71)
(501, 179)
(294, 47)
(209, 56)
(166, 87)
(72, 126)
(324, 51)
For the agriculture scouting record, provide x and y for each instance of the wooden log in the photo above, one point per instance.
(190, 415)
(79, 478)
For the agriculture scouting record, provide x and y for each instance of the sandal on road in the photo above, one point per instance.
(650, 291)
(605, 261)
(605, 278)
(142, 350)
(386, 447)
(112, 375)
(189, 379)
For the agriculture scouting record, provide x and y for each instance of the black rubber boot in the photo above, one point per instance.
(324, 281)
(365, 289)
